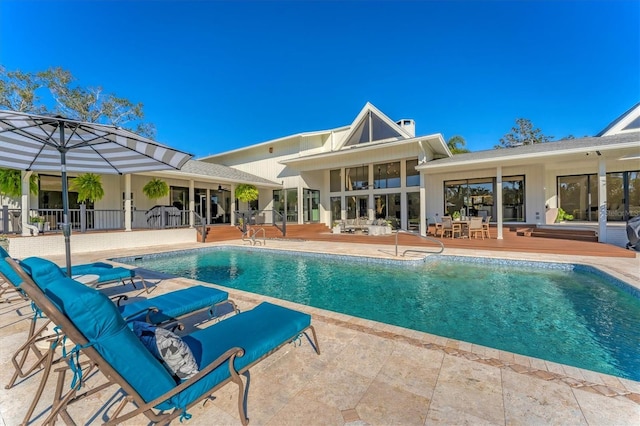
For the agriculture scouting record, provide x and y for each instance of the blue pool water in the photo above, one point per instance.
(569, 314)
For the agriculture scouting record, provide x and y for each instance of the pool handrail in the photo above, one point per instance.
(420, 236)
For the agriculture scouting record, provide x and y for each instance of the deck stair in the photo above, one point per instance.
(228, 232)
(574, 234)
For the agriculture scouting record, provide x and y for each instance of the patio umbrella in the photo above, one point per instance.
(52, 143)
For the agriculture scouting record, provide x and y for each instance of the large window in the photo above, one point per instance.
(179, 197)
(413, 210)
(387, 206)
(358, 207)
(334, 181)
(386, 175)
(413, 176)
(311, 205)
(336, 209)
(475, 197)
(50, 193)
(356, 178)
(578, 196)
(513, 199)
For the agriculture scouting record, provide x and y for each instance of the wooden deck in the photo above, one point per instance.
(511, 241)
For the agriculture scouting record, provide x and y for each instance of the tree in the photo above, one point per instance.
(523, 133)
(19, 91)
(156, 188)
(246, 192)
(456, 141)
(89, 187)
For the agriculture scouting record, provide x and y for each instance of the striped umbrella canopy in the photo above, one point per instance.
(51, 143)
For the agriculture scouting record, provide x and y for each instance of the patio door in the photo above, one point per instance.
(311, 205)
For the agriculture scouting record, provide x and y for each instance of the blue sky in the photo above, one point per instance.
(215, 76)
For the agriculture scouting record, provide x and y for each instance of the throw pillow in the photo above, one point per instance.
(168, 348)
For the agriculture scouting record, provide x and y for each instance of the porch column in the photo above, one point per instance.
(602, 197)
(192, 203)
(208, 205)
(25, 203)
(127, 202)
(499, 200)
(424, 224)
(232, 207)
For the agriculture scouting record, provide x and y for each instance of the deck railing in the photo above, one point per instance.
(83, 219)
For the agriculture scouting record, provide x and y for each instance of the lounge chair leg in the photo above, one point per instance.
(315, 340)
(45, 376)
(26, 346)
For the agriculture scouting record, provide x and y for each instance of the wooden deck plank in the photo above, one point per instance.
(510, 242)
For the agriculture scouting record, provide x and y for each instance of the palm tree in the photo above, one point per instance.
(156, 188)
(453, 143)
(89, 187)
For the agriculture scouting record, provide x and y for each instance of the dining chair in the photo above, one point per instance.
(450, 227)
(485, 226)
(476, 227)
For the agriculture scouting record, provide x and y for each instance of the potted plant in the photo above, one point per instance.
(562, 216)
(89, 187)
(455, 215)
(11, 183)
(38, 221)
(246, 192)
(156, 188)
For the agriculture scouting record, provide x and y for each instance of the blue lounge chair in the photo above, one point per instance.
(164, 309)
(222, 351)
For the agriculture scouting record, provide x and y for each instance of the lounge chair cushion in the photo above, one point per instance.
(87, 268)
(174, 305)
(98, 319)
(258, 331)
(168, 348)
(7, 270)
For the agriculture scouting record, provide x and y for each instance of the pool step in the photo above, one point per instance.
(564, 234)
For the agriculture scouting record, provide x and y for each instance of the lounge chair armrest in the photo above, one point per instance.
(229, 355)
(119, 298)
(150, 310)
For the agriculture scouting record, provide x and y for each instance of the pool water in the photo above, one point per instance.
(561, 313)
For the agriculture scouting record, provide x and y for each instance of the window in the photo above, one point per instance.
(513, 199)
(356, 178)
(413, 210)
(334, 181)
(476, 197)
(386, 175)
(413, 176)
(336, 209)
(50, 193)
(578, 196)
(179, 197)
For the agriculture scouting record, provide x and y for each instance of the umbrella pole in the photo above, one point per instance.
(66, 226)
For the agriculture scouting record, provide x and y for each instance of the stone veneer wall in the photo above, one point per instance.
(53, 244)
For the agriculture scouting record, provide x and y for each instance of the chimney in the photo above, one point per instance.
(408, 125)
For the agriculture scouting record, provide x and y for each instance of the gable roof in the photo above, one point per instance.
(371, 125)
(629, 121)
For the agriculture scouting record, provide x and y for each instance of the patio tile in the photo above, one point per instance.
(467, 392)
(386, 404)
(528, 400)
(412, 369)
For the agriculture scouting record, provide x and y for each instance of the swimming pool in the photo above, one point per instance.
(569, 314)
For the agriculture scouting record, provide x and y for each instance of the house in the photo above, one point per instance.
(376, 168)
